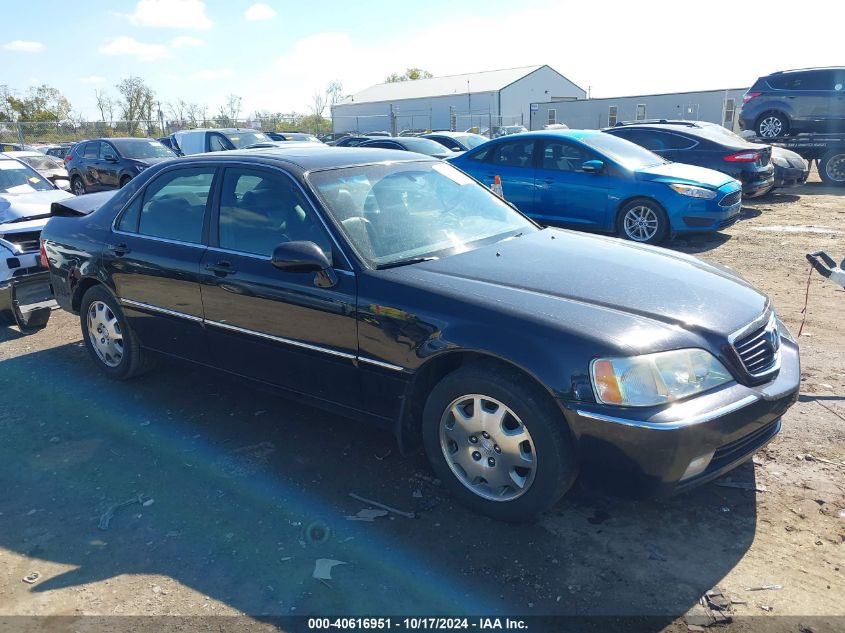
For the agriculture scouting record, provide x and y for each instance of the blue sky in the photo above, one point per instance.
(277, 54)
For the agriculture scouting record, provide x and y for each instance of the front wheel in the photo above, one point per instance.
(77, 186)
(643, 221)
(832, 168)
(112, 344)
(497, 442)
(772, 125)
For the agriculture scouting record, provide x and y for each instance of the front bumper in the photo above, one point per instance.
(696, 216)
(26, 298)
(790, 176)
(654, 448)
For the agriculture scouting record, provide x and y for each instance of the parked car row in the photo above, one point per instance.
(391, 287)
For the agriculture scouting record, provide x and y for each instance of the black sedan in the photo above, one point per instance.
(705, 145)
(109, 163)
(392, 288)
(410, 144)
(457, 141)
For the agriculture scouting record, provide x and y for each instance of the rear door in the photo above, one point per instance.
(513, 161)
(89, 166)
(564, 192)
(293, 330)
(154, 258)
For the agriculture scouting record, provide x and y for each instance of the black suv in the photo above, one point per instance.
(103, 164)
(792, 101)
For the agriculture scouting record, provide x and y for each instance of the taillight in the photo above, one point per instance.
(43, 256)
(748, 96)
(68, 157)
(743, 157)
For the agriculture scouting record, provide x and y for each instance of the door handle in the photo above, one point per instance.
(221, 268)
(119, 249)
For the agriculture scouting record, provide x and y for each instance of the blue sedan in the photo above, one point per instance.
(591, 180)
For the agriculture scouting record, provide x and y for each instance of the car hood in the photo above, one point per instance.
(685, 174)
(554, 271)
(792, 158)
(151, 161)
(20, 205)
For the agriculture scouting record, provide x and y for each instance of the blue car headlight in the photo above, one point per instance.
(653, 379)
(691, 191)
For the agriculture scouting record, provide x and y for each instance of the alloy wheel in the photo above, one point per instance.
(487, 447)
(641, 223)
(105, 334)
(770, 127)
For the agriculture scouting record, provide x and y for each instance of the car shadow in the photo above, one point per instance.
(818, 188)
(242, 491)
(775, 197)
(697, 242)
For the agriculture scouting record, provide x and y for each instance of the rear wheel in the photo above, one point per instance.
(643, 221)
(124, 181)
(77, 186)
(772, 125)
(113, 345)
(832, 168)
(497, 442)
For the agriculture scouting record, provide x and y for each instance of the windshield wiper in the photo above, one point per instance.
(405, 262)
(27, 218)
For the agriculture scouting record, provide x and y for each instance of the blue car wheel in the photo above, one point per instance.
(643, 221)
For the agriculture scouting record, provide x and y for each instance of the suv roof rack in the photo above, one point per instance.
(658, 122)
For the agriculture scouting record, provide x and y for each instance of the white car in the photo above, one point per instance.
(25, 199)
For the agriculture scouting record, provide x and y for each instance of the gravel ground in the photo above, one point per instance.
(233, 493)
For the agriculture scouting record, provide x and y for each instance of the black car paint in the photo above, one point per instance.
(757, 177)
(547, 303)
(108, 170)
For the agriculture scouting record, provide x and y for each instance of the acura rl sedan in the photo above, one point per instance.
(390, 287)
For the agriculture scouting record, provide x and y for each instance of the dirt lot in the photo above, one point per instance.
(242, 491)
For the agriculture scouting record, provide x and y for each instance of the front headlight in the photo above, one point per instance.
(652, 379)
(693, 192)
(141, 167)
(780, 162)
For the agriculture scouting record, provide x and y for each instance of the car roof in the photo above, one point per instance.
(313, 157)
(23, 152)
(573, 134)
(448, 133)
(803, 70)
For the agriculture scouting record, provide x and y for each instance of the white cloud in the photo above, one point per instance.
(211, 74)
(174, 14)
(23, 46)
(92, 79)
(129, 46)
(185, 41)
(260, 11)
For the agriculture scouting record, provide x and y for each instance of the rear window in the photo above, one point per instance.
(812, 80)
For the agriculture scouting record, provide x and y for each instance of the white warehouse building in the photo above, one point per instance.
(483, 100)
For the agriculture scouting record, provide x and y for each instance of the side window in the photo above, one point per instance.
(385, 145)
(673, 141)
(259, 210)
(481, 155)
(552, 116)
(612, 115)
(512, 154)
(561, 156)
(92, 151)
(640, 112)
(643, 138)
(216, 143)
(129, 220)
(174, 205)
(448, 143)
(107, 149)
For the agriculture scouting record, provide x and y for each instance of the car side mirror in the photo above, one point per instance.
(62, 183)
(110, 158)
(300, 257)
(592, 166)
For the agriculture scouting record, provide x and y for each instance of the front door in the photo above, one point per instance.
(90, 166)
(293, 330)
(108, 167)
(153, 261)
(564, 192)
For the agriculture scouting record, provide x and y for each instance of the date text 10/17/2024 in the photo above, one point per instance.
(416, 623)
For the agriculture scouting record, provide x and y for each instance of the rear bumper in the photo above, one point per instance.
(26, 300)
(655, 449)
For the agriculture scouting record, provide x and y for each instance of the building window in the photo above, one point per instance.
(730, 109)
(612, 116)
(640, 112)
(552, 117)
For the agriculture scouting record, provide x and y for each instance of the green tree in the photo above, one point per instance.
(41, 103)
(411, 74)
(136, 103)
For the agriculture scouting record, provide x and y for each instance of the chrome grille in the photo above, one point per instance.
(759, 350)
(731, 199)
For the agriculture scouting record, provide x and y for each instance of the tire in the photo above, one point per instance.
(124, 181)
(642, 220)
(832, 168)
(544, 464)
(124, 358)
(77, 186)
(772, 125)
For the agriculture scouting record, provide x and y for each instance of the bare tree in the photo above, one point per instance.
(136, 102)
(105, 104)
(178, 111)
(334, 92)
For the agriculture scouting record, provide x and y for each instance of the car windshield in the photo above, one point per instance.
(424, 146)
(471, 141)
(141, 148)
(628, 154)
(42, 163)
(16, 177)
(242, 139)
(393, 213)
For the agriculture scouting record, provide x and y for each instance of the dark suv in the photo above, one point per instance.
(792, 101)
(103, 164)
